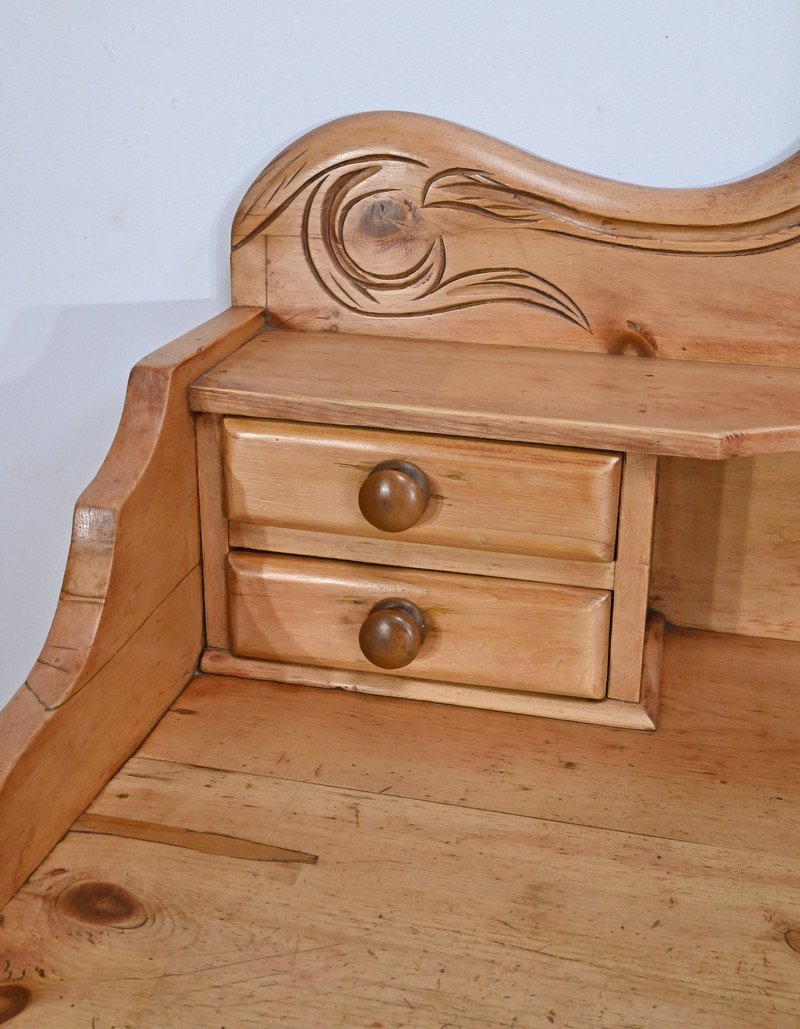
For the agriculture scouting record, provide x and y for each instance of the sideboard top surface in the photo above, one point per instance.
(680, 408)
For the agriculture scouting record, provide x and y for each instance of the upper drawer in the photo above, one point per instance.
(512, 498)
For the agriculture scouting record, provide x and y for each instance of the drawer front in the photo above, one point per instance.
(514, 498)
(483, 631)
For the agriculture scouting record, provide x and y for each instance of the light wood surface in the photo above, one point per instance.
(481, 631)
(683, 408)
(594, 574)
(396, 224)
(128, 628)
(213, 528)
(485, 496)
(727, 545)
(632, 576)
(433, 866)
(723, 767)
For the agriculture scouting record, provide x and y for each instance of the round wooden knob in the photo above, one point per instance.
(394, 496)
(392, 634)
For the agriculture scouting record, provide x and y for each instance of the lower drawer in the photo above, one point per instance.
(501, 633)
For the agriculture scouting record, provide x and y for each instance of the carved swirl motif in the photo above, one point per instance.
(359, 198)
(377, 248)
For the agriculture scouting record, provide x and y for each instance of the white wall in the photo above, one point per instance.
(131, 128)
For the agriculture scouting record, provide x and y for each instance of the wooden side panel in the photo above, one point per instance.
(490, 632)
(128, 628)
(727, 545)
(485, 496)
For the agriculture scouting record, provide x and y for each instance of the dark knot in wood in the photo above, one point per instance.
(384, 216)
(102, 903)
(14, 998)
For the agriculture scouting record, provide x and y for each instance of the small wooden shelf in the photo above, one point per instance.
(679, 408)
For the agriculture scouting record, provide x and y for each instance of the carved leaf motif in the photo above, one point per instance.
(421, 285)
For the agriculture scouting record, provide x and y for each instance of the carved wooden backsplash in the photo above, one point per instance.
(397, 224)
(428, 230)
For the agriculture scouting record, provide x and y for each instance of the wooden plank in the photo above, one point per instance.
(610, 713)
(726, 555)
(722, 768)
(632, 576)
(593, 574)
(213, 528)
(558, 503)
(683, 408)
(131, 595)
(501, 633)
(415, 913)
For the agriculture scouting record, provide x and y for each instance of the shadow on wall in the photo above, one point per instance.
(63, 373)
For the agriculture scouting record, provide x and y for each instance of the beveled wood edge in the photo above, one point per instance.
(83, 695)
(610, 713)
(302, 542)
(632, 576)
(705, 445)
(460, 168)
(213, 527)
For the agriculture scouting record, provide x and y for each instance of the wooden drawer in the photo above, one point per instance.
(512, 498)
(484, 631)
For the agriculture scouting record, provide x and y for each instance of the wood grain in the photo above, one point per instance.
(441, 889)
(722, 768)
(486, 496)
(632, 576)
(727, 545)
(128, 628)
(486, 632)
(682, 408)
(397, 925)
